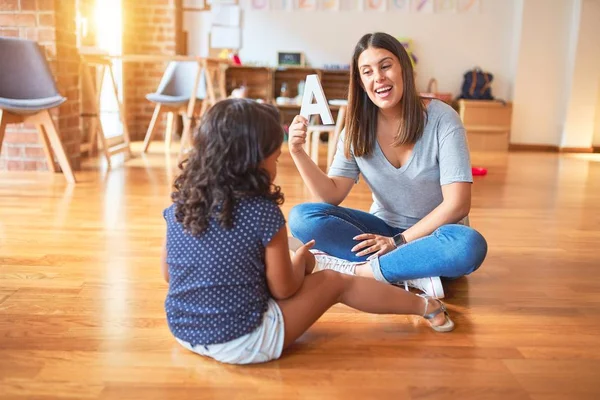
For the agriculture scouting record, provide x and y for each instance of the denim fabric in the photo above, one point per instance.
(451, 251)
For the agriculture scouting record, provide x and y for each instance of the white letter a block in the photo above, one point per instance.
(313, 88)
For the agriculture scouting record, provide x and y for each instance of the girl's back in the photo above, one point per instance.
(218, 288)
(225, 210)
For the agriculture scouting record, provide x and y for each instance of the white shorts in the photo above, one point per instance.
(263, 344)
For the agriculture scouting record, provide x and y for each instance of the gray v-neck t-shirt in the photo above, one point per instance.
(403, 196)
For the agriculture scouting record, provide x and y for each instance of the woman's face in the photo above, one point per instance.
(270, 164)
(381, 77)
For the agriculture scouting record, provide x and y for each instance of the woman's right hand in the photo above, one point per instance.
(297, 134)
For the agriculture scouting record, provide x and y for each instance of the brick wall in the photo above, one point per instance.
(149, 29)
(52, 24)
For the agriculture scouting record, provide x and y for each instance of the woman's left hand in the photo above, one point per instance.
(372, 243)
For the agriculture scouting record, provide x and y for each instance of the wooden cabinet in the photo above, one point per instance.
(487, 123)
(258, 81)
(335, 83)
(265, 83)
(291, 77)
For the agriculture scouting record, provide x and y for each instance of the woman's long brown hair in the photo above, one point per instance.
(361, 123)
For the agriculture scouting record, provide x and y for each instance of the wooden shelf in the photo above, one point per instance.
(335, 83)
(292, 77)
(265, 83)
(258, 81)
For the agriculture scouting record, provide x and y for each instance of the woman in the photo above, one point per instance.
(414, 157)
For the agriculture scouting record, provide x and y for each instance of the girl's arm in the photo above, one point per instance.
(284, 274)
(163, 261)
(332, 190)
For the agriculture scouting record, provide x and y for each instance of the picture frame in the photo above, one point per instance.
(290, 59)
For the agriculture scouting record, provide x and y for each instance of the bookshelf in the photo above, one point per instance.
(265, 83)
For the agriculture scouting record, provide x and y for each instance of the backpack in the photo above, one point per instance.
(477, 85)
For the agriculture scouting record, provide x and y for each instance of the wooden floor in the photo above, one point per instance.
(81, 297)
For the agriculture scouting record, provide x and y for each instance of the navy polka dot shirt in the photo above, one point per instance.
(217, 287)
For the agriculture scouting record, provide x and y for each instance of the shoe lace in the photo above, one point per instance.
(334, 263)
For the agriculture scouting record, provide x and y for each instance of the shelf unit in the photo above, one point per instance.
(265, 83)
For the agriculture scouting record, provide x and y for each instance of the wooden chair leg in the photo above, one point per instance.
(122, 116)
(333, 139)
(204, 107)
(57, 146)
(93, 136)
(3, 123)
(331, 146)
(307, 142)
(185, 136)
(169, 131)
(47, 147)
(151, 127)
(315, 147)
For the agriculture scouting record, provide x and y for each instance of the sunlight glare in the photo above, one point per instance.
(108, 18)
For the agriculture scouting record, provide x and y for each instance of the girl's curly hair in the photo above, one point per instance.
(224, 166)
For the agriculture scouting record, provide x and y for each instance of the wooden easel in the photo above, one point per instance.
(93, 89)
(214, 72)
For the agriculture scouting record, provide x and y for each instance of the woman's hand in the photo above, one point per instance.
(309, 258)
(297, 134)
(371, 243)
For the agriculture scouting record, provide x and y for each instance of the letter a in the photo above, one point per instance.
(313, 88)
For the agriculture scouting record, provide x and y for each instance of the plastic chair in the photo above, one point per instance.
(27, 93)
(173, 96)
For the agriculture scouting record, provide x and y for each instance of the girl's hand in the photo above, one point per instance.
(309, 258)
(297, 134)
(372, 243)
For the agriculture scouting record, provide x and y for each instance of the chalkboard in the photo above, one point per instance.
(290, 58)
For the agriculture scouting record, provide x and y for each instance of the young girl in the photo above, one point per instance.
(235, 294)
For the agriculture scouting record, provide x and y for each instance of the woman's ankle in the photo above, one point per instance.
(431, 305)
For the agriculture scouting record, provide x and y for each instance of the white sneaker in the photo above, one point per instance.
(432, 287)
(325, 261)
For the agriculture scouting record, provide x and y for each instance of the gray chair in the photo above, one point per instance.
(27, 93)
(173, 97)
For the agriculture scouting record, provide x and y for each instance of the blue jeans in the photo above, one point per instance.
(451, 251)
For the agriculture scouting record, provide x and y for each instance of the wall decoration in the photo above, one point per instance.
(349, 5)
(306, 5)
(445, 6)
(422, 6)
(259, 5)
(330, 5)
(400, 5)
(375, 5)
(469, 6)
(281, 5)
